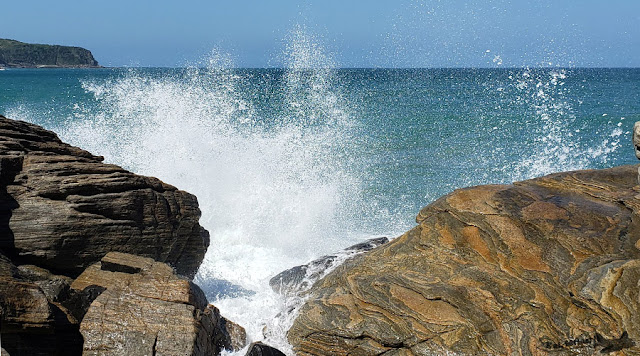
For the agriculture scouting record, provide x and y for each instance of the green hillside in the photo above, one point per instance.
(16, 54)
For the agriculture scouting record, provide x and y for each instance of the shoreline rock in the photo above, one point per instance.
(97, 260)
(260, 349)
(172, 315)
(62, 209)
(548, 266)
(299, 279)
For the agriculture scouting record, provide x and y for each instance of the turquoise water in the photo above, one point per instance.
(289, 164)
(414, 134)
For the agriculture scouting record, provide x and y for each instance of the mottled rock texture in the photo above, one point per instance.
(62, 209)
(145, 309)
(549, 266)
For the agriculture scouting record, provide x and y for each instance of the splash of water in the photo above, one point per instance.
(272, 195)
(278, 191)
(555, 145)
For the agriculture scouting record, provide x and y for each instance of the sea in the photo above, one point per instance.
(293, 163)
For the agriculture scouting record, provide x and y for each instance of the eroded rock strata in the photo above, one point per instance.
(61, 208)
(547, 266)
(67, 287)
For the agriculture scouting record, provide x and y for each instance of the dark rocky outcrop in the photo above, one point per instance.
(16, 54)
(172, 315)
(32, 320)
(67, 281)
(62, 209)
(299, 279)
(548, 266)
(260, 349)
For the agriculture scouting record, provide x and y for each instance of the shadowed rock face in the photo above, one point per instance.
(62, 209)
(32, 321)
(260, 349)
(544, 266)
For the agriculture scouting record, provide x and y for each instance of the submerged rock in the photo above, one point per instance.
(544, 266)
(146, 309)
(62, 209)
(300, 278)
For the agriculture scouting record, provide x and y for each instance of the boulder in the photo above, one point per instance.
(30, 322)
(260, 349)
(23, 306)
(146, 309)
(548, 266)
(62, 209)
(232, 337)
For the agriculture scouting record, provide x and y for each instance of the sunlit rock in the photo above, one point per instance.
(146, 309)
(548, 266)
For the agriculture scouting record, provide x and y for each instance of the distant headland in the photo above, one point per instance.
(16, 54)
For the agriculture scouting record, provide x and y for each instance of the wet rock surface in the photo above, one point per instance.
(260, 349)
(548, 266)
(299, 279)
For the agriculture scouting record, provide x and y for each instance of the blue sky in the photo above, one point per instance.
(400, 33)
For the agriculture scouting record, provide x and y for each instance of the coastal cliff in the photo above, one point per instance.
(548, 266)
(16, 54)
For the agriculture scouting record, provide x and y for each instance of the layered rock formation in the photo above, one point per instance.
(64, 214)
(32, 320)
(16, 54)
(548, 266)
(62, 209)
